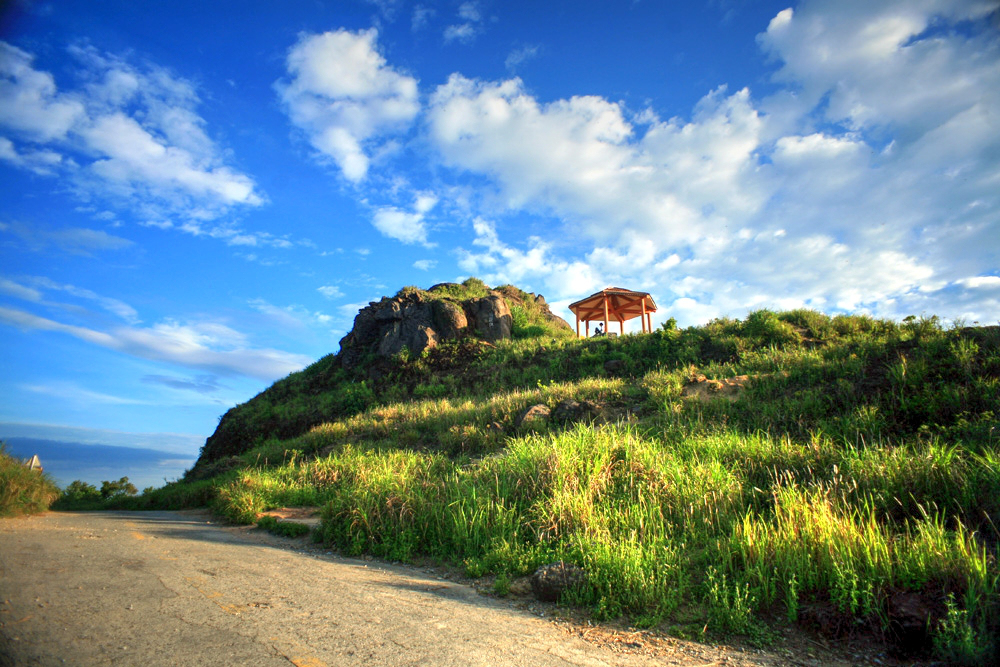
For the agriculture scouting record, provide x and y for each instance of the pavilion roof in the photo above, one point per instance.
(623, 305)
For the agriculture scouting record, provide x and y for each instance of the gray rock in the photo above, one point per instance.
(491, 317)
(412, 330)
(574, 411)
(520, 587)
(534, 414)
(549, 582)
(449, 319)
(417, 320)
(391, 311)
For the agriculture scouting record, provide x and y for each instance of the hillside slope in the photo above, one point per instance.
(415, 323)
(840, 473)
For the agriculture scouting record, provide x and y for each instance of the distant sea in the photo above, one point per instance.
(68, 461)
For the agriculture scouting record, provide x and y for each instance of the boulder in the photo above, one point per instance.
(520, 587)
(570, 410)
(534, 414)
(490, 317)
(549, 582)
(449, 319)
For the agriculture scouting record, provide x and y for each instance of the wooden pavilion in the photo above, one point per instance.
(614, 304)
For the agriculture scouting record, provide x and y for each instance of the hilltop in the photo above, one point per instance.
(838, 473)
(441, 329)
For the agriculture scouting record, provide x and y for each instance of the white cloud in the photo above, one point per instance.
(981, 282)
(42, 162)
(466, 32)
(868, 181)
(408, 227)
(424, 264)
(387, 8)
(19, 291)
(498, 263)
(400, 225)
(134, 161)
(291, 317)
(116, 307)
(68, 391)
(462, 32)
(206, 345)
(344, 96)
(330, 291)
(127, 134)
(872, 65)
(519, 56)
(30, 103)
(579, 159)
(73, 240)
(421, 18)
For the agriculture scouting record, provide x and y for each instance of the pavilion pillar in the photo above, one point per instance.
(605, 315)
(642, 302)
(577, 325)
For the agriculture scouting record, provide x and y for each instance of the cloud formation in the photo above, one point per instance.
(73, 240)
(127, 135)
(205, 345)
(470, 18)
(408, 227)
(344, 97)
(868, 181)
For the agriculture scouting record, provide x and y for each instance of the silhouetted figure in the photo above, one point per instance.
(599, 331)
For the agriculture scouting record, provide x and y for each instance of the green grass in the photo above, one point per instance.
(282, 528)
(860, 462)
(23, 491)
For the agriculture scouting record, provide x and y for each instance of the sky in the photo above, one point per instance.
(196, 198)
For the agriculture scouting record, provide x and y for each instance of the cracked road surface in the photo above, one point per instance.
(176, 588)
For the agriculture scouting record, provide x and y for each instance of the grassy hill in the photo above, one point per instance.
(842, 473)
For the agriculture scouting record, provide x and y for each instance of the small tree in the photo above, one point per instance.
(122, 487)
(80, 490)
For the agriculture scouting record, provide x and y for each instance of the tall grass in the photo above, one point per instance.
(23, 491)
(861, 462)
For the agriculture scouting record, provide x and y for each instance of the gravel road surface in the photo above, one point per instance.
(178, 588)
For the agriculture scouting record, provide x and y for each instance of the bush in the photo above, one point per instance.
(118, 489)
(23, 491)
(764, 328)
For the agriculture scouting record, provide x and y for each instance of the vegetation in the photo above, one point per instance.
(326, 392)
(282, 528)
(859, 465)
(80, 495)
(23, 491)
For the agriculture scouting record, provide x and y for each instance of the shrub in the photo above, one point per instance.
(117, 489)
(764, 328)
(23, 491)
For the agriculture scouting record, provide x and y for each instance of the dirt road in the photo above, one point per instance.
(176, 588)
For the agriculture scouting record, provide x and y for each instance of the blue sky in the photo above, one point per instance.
(197, 198)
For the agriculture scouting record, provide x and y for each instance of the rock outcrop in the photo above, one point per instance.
(418, 320)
